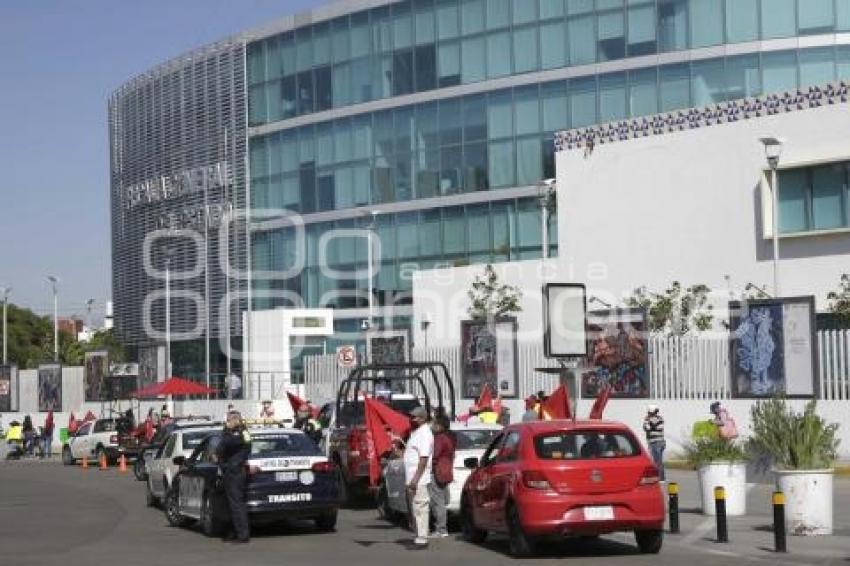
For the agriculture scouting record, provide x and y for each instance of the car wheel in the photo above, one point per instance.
(172, 507)
(327, 522)
(521, 544)
(139, 469)
(649, 542)
(67, 457)
(470, 532)
(150, 498)
(210, 526)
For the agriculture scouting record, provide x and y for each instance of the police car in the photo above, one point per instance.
(287, 478)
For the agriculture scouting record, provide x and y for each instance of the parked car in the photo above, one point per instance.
(472, 441)
(348, 445)
(148, 451)
(288, 478)
(561, 479)
(93, 440)
(161, 468)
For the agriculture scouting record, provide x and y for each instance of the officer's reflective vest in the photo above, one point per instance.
(15, 433)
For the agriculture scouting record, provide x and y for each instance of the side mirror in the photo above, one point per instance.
(470, 463)
(179, 460)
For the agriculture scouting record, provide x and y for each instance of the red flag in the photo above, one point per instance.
(497, 405)
(486, 397)
(557, 405)
(89, 417)
(72, 424)
(599, 405)
(379, 418)
(295, 402)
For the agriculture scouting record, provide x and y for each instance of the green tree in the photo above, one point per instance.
(676, 310)
(106, 340)
(839, 301)
(491, 299)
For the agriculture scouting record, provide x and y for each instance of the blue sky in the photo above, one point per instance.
(59, 61)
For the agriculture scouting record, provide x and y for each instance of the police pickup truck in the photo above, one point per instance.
(288, 478)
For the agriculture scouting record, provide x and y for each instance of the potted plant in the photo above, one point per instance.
(804, 449)
(720, 462)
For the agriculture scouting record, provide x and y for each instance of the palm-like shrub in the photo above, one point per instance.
(796, 441)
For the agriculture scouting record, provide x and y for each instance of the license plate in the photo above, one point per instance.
(603, 513)
(286, 476)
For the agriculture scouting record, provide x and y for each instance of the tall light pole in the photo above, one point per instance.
(168, 253)
(546, 196)
(53, 281)
(373, 224)
(773, 151)
(6, 291)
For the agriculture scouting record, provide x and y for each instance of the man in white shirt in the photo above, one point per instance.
(417, 469)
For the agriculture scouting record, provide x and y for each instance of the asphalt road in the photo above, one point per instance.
(50, 514)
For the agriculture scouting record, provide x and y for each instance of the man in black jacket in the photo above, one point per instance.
(232, 452)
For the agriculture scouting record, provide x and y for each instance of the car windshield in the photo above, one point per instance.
(585, 445)
(282, 445)
(192, 439)
(471, 439)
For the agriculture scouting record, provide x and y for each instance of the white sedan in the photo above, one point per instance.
(472, 440)
(162, 469)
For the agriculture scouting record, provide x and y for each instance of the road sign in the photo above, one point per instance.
(346, 356)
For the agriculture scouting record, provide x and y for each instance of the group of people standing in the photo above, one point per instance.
(24, 439)
(428, 462)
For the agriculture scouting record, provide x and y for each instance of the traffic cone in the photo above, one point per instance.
(122, 464)
(85, 463)
(103, 463)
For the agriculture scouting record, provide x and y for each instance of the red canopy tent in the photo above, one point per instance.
(174, 386)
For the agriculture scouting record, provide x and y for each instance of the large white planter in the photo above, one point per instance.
(732, 476)
(808, 501)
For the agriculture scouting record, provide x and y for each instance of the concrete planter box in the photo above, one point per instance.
(808, 500)
(732, 476)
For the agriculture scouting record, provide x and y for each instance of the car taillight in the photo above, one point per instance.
(113, 439)
(323, 467)
(252, 470)
(534, 479)
(650, 476)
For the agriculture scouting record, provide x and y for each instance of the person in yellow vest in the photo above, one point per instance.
(15, 440)
(487, 415)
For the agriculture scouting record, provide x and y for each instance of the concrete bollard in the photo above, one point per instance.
(673, 507)
(720, 508)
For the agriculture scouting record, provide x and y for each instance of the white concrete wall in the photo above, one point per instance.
(687, 207)
(441, 298)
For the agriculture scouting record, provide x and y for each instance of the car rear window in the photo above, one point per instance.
(281, 445)
(585, 445)
(470, 439)
(105, 426)
(192, 439)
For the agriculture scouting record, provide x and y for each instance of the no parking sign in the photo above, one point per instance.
(346, 356)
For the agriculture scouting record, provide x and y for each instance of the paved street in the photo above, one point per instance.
(55, 515)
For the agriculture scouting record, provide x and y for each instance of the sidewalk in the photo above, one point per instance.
(751, 536)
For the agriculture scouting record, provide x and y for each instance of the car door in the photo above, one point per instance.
(79, 444)
(479, 484)
(502, 472)
(158, 467)
(191, 481)
(395, 482)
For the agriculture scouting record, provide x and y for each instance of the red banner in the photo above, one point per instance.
(382, 423)
(600, 403)
(557, 405)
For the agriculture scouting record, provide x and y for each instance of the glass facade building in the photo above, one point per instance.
(440, 115)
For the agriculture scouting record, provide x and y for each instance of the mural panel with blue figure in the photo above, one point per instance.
(757, 351)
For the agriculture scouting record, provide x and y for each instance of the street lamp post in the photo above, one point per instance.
(546, 195)
(53, 281)
(773, 151)
(168, 253)
(6, 291)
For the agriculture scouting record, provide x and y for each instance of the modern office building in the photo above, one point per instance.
(423, 125)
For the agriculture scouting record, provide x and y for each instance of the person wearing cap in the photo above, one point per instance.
(653, 426)
(417, 468)
(305, 422)
(267, 411)
(231, 454)
(531, 413)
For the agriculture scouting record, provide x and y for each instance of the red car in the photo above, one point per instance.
(562, 479)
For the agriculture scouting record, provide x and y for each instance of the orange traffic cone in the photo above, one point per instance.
(85, 463)
(122, 464)
(103, 463)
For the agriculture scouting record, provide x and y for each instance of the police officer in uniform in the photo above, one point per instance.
(232, 452)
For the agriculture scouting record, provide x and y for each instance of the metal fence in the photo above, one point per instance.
(680, 368)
